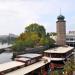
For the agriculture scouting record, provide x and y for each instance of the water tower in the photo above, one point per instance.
(61, 30)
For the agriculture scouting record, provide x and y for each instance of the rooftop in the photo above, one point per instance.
(9, 65)
(22, 59)
(27, 69)
(70, 33)
(30, 55)
(59, 49)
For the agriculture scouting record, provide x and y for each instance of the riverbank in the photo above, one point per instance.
(1, 51)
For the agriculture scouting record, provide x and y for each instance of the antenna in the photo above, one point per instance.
(60, 11)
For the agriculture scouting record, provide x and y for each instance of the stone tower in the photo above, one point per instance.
(61, 31)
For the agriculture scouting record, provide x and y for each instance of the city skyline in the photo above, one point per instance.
(15, 15)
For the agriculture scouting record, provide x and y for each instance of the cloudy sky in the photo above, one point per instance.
(15, 15)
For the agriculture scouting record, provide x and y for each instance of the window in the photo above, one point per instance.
(71, 39)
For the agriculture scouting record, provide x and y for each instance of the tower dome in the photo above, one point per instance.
(60, 17)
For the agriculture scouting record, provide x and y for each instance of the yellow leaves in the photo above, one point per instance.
(29, 36)
(35, 37)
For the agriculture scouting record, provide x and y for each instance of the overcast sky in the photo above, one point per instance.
(15, 15)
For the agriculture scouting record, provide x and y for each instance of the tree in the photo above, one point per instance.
(34, 35)
(44, 41)
(39, 29)
(50, 40)
(53, 33)
(69, 66)
(19, 46)
(29, 36)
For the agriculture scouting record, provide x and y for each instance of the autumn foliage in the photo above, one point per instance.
(34, 35)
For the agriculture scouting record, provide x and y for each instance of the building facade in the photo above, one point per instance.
(70, 38)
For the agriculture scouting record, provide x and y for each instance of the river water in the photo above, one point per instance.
(5, 56)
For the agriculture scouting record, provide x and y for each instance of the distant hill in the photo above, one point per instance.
(5, 36)
(8, 38)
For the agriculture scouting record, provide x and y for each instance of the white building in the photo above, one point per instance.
(70, 38)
